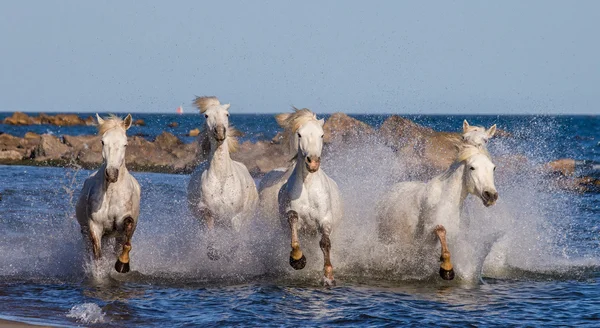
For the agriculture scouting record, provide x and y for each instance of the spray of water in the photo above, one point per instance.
(523, 233)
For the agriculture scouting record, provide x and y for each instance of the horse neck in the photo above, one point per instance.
(301, 172)
(453, 186)
(219, 158)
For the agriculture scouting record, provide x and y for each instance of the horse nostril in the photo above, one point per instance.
(487, 195)
(309, 160)
(495, 195)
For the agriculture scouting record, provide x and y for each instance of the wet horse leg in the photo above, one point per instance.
(297, 259)
(122, 264)
(209, 221)
(446, 270)
(325, 244)
(95, 239)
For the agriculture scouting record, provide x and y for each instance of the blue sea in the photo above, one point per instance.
(533, 259)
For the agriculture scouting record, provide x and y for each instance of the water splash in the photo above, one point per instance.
(87, 313)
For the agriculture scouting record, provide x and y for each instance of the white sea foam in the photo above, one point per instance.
(87, 313)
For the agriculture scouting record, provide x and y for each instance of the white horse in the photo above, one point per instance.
(416, 212)
(309, 201)
(109, 203)
(224, 194)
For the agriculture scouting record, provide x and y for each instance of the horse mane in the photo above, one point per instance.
(291, 122)
(233, 142)
(204, 103)
(112, 121)
(466, 151)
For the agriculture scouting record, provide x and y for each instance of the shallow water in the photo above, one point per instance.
(533, 259)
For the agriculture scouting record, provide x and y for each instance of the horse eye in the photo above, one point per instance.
(322, 136)
(102, 142)
(206, 115)
(494, 168)
(472, 168)
(299, 136)
(227, 114)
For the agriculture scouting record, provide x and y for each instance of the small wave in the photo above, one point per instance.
(87, 313)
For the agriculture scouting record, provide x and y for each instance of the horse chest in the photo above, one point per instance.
(222, 194)
(308, 203)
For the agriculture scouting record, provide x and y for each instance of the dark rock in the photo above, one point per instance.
(50, 147)
(341, 127)
(173, 124)
(18, 118)
(167, 140)
(139, 122)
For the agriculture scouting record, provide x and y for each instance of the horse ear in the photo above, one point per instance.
(465, 126)
(491, 131)
(100, 120)
(322, 122)
(226, 106)
(127, 122)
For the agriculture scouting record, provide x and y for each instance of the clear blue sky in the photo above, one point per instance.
(488, 57)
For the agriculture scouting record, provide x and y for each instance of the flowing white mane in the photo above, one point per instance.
(291, 122)
(204, 103)
(467, 151)
(109, 123)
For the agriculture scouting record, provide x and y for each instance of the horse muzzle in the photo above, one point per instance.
(312, 163)
(111, 175)
(220, 133)
(489, 198)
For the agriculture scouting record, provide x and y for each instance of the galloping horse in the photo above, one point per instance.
(224, 194)
(416, 212)
(309, 200)
(109, 203)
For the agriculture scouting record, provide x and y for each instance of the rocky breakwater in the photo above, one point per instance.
(19, 118)
(429, 151)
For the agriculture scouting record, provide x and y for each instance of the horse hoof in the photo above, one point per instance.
(213, 254)
(447, 274)
(328, 282)
(299, 263)
(121, 267)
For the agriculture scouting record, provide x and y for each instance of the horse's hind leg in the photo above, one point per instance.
(297, 259)
(122, 264)
(446, 270)
(325, 244)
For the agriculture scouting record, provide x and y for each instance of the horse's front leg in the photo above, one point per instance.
(446, 270)
(297, 259)
(325, 244)
(122, 264)
(95, 237)
(209, 222)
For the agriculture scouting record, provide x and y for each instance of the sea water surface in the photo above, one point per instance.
(531, 260)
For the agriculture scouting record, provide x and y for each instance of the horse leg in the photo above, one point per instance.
(95, 238)
(297, 259)
(122, 264)
(325, 244)
(446, 270)
(209, 221)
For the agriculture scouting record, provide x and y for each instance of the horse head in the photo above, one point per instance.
(479, 174)
(310, 144)
(305, 133)
(114, 143)
(477, 135)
